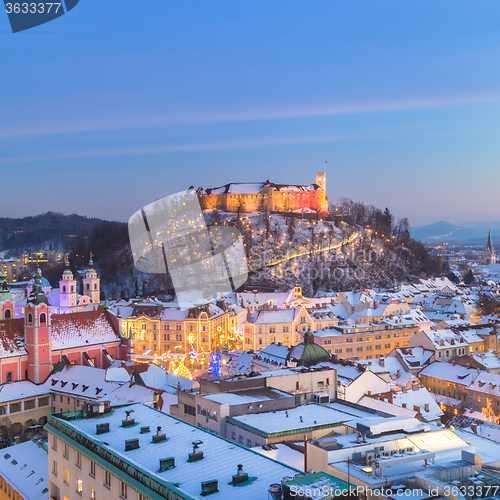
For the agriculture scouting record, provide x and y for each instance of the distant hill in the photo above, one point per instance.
(52, 230)
(471, 232)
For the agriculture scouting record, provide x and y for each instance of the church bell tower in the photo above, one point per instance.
(37, 334)
(91, 283)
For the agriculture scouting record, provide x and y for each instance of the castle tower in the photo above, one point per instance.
(490, 256)
(37, 334)
(67, 289)
(321, 180)
(6, 300)
(91, 283)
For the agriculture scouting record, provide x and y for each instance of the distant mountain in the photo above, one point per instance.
(471, 232)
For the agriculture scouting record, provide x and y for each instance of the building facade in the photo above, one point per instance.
(267, 196)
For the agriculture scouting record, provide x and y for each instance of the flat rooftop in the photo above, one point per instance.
(220, 460)
(247, 397)
(297, 419)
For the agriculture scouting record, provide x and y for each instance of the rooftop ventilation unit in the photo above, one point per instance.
(166, 464)
(275, 492)
(145, 429)
(159, 436)
(102, 428)
(240, 476)
(129, 421)
(196, 455)
(131, 444)
(209, 487)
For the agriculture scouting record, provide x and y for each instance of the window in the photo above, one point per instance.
(387, 346)
(359, 339)
(154, 335)
(164, 336)
(359, 349)
(92, 468)
(285, 339)
(190, 410)
(68, 401)
(249, 443)
(378, 347)
(8, 377)
(272, 329)
(338, 351)
(3, 410)
(240, 439)
(54, 442)
(272, 340)
(92, 494)
(29, 405)
(78, 461)
(43, 401)
(369, 347)
(233, 436)
(60, 399)
(107, 479)
(66, 476)
(66, 451)
(285, 328)
(349, 349)
(15, 407)
(54, 467)
(79, 486)
(43, 318)
(123, 490)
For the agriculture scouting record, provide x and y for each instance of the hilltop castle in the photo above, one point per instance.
(266, 197)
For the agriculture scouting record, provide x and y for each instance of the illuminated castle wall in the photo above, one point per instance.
(267, 196)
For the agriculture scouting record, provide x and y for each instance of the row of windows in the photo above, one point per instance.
(78, 481)
(9, 491)
(28, 405)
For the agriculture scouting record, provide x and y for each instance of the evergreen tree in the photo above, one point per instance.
(469, 277)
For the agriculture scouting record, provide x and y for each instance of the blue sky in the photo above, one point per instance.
(119, 103)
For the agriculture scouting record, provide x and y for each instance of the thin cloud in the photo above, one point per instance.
(147, 150)
(152, 121)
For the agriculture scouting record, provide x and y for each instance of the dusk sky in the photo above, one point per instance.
(119, 103)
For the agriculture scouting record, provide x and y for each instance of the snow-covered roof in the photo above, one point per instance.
(386, 407)
(449, 372)
(21, 390)
(82, 329)
(246, 397)
(25, 468)
(219, 463)
(420, 398)
(293, 420)
(84, 382)
(284, 454)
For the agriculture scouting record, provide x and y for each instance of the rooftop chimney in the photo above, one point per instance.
(240, 476)
(159, 436)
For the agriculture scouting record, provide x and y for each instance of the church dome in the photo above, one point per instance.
(308, 353)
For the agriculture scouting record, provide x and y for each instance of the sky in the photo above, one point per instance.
(117, 104)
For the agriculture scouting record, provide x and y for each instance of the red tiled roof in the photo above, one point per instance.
(12, 338)
(82, 329)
